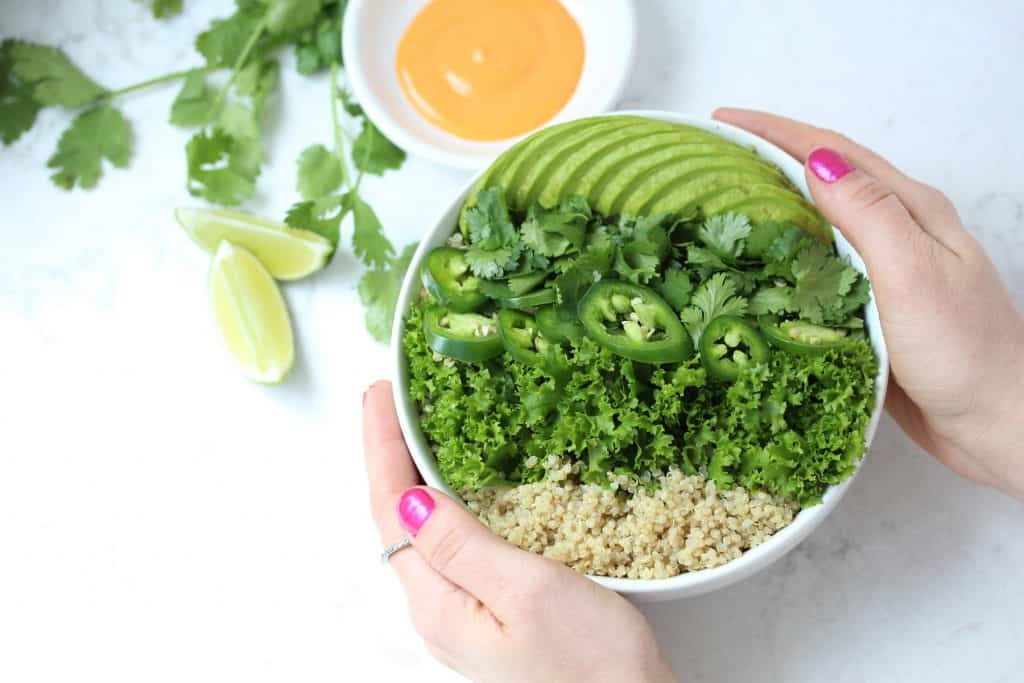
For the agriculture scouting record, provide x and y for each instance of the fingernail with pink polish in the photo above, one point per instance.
(828, 164)
(414, 507)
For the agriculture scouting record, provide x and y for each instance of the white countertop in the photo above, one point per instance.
(163, 520)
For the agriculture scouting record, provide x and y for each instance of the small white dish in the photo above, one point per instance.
(683, 585)
(371, 34)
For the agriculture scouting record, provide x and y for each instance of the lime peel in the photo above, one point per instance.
(287, 253)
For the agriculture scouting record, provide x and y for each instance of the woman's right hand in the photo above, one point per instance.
(956, 341)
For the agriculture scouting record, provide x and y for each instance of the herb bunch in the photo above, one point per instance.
(224, 156)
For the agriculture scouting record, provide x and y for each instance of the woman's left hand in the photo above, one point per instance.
(485, 608)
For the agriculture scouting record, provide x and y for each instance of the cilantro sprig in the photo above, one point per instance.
(222, 99)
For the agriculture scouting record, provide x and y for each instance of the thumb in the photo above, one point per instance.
(868, 213)
(457, 546)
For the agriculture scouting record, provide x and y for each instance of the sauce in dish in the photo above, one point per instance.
(490, 70)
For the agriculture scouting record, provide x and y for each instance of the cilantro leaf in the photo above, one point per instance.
(328, 37)
(287, 16)
(223, 42)
(643, 244)
(714, 297)
(55, 79)
(378, 290)
(705, 262)
(320, 45)
(771, 300)
(194, 101)
(858, 296)
(307, 59)
(579, 274)
(368, 240)
(779, 255)
(558, 231)
(320, 172)
(374, 153)
(494, 241)
(220, 167)
(163, 9)
(675, 287)
(725, 235)
(322, 217)
(490, 225)
(240, 122)
(18, 107)
(764, 234)
(822, 280)
(95, 134)
(256, 81)
(349, 103)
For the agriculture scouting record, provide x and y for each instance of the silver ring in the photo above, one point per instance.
(392, 549)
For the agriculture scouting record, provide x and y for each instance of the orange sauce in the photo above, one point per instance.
(490, 69)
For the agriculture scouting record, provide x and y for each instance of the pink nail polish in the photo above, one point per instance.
(414, 507)
(828, 164)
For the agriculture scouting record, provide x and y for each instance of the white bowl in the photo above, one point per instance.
(373, 29)
(693, 583)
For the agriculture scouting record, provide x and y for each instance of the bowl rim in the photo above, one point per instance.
(689, 583)
(353, 44)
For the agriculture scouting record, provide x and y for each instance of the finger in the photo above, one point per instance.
(933, 211)
(389, 466)
(390, 471)
(460, 548)
(444, 615)
(899, 255)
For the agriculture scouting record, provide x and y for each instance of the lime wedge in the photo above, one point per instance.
(251, 314)
(288, 253)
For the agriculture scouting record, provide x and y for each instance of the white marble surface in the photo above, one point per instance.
(163, 520)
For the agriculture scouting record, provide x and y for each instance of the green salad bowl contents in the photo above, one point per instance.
(632, 344)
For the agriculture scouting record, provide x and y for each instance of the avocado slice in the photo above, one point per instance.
(725, 202)
(631, 164)
(552, 155)
(679, 169)
(530, 149)
(686, 195)
(624, 170)
(496, 172)
(550, 189)
(595, 173)
(777, 209)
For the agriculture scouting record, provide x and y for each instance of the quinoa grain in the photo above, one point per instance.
(683, 525)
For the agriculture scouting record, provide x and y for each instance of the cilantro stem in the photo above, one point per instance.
(339, 143)
(366, 157)
(243, 55)
(109, 95)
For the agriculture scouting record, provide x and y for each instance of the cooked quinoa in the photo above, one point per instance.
(684, 524)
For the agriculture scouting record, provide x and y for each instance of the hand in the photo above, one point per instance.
(956, 342)
(485, 608)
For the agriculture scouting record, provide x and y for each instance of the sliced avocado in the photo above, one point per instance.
(594, 174)
(547, 159)
(534, 148)
(631, 164)
(784, 210)
(679, 169)
(549, 189)
(623, 171)
(690, 193)
(499, 169)
(580, 178)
